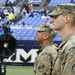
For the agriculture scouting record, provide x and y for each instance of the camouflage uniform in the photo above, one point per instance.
(65, 62)
(45, 60)
(43, 64)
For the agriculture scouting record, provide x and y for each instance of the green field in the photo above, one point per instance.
(19, 70)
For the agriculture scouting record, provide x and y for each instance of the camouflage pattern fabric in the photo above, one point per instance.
(43, 64)
(65, 63)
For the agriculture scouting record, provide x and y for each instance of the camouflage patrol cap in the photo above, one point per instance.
(45, 27)
(67, 8)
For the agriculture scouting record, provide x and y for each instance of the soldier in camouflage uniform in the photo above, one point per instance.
(43, 64)
(63, 19)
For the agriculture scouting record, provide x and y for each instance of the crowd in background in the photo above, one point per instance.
(8, 16)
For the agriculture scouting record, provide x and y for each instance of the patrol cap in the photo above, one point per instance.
(67, 8)
(45, 27)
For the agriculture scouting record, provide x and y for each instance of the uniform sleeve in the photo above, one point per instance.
(44, 65)
(69, 68)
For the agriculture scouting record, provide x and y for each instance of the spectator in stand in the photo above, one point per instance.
(43, 12)
(3, 16)
(8, 26)
(12, 9)
(5, 28)
(18, 26)
(30, 7)
(28, 26)
(6, 12)
(8, 3)
(23, 25)
(24, 12)
(11, 17)
(31, 15)
(12, 1)
(12, 26)
(26, 7)
(47, 10)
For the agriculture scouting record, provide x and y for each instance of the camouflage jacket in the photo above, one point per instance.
(44, 61)
(65, 62)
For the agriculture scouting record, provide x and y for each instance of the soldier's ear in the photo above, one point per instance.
(45, 36)
(67, 18)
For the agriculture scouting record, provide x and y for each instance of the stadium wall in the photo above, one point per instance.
(24, 55)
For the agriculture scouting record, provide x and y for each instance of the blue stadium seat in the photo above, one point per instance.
(57, 40)
(55, 2)
(18, 38)
(24, 38)
(31, 38)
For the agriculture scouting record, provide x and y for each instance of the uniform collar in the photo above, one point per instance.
(50, 43)
(65, 40)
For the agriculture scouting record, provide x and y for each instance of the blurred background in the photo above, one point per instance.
(19, 18)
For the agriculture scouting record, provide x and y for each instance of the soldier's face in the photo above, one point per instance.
(42, 36)
(39, 36)
(58, 22)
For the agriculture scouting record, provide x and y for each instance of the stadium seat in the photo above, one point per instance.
(55, 2)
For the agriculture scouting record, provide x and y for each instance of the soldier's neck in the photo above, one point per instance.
(66, 33)
(46, 43)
